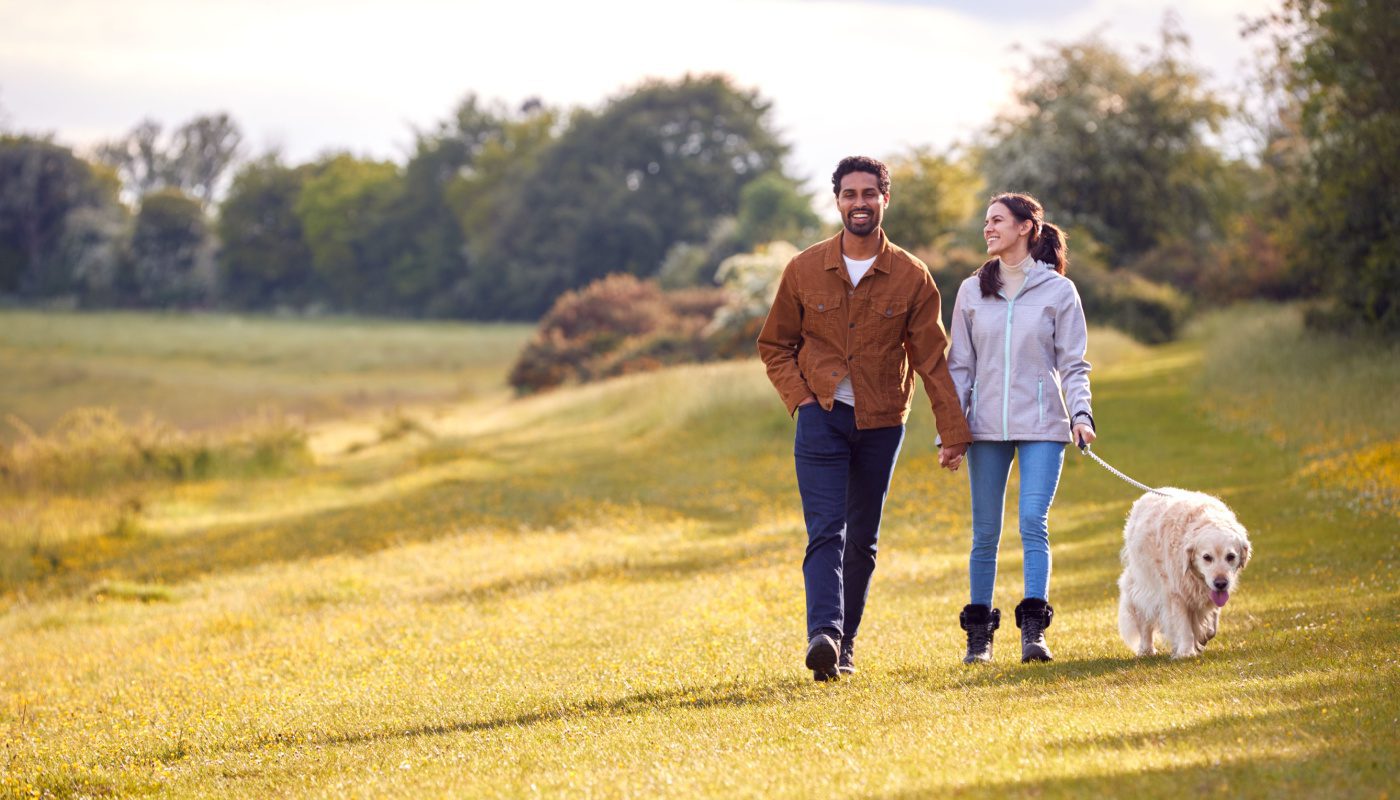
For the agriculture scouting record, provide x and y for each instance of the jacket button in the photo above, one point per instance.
(833, 374)
(850, 292)
(852, 325)
(821, 307)
(889, 312)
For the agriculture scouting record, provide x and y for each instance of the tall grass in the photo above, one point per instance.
(85, 484)
(91, 450)
(1333, 398)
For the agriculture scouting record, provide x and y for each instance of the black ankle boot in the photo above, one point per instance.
(981, 623)
(846, 664)
(1033, 617)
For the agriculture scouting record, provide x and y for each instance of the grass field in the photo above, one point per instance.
(596, 592)
(216, 370)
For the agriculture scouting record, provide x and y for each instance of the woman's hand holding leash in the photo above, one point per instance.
(1083, 436)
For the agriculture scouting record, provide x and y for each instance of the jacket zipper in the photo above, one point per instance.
(1040, 399)
(1006, 374)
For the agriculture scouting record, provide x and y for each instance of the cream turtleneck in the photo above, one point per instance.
(1013, 276)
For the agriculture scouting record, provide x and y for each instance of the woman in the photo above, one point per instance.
(1018, 365)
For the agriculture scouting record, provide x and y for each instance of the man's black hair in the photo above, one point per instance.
(851, 164)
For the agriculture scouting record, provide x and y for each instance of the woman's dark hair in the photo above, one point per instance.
(851, 164)
(1048, 244)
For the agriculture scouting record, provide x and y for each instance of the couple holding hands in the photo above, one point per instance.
(854, 318)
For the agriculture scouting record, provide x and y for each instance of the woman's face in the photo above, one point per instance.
(1002, 230)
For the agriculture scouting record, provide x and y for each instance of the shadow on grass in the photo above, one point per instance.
(1010, 672)
(1352, 772)
(708, 560)
(1297, 751)
(723, 695)
(444, 509)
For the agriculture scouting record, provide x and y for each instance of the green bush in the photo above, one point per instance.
(614, 326)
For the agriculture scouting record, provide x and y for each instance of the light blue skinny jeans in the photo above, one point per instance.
(988, 467)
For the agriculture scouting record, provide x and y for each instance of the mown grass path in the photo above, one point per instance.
(597, 593)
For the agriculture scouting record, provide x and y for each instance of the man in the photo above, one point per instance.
(852, 315)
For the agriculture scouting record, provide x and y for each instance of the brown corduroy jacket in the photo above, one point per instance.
(821, 327)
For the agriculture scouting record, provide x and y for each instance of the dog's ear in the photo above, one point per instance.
(1245, 552)
(1190, 559)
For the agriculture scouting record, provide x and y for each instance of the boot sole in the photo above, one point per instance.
(821, 660)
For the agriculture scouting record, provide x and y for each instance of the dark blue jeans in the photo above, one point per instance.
(843, 475)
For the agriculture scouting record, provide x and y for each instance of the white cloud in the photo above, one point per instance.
(315, 74)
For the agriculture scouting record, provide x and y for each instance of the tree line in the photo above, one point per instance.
(498, 211)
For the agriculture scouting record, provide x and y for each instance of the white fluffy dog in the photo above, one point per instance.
(1182, 555)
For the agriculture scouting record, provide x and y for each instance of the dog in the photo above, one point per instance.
(1182, 556)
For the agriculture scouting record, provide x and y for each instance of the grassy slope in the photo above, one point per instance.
(597, 592)
(204, 370)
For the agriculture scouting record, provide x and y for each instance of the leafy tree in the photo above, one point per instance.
(193, 159)
(621, 185)
(264, 258)
(773, 208)
(428, 250)
(94, 247)
(1347, 56)
(171, 252)
(697, 263)
(932, 196)
(344, 212)
(201, 152)
(41, 186)
(138, 158)
(450, 203)
(1115, 148)
(487, 191)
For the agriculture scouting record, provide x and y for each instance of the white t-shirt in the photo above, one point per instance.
(845, 393)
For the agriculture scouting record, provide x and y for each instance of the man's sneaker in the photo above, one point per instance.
(822, 654)
(846, 664)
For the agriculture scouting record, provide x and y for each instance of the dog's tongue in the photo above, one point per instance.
(1219, 598)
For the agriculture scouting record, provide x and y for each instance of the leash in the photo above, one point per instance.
(1084, 448)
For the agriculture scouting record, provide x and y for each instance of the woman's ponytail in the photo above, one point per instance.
(1051, 246)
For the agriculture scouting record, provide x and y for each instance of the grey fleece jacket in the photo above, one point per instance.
(1018, 364)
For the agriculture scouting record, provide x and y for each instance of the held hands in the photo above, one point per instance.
(950, 458)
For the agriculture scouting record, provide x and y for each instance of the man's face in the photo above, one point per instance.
(861, 205)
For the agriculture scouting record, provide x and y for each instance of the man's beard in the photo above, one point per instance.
(862, 228)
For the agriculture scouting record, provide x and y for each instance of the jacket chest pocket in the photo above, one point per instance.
(886, 320)
(821, 314)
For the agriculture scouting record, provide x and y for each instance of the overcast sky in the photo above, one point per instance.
(307, 76)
